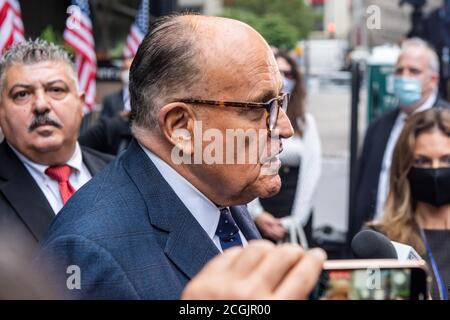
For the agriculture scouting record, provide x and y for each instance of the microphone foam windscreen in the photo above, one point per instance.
(369, 244)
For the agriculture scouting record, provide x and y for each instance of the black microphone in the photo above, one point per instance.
(369, 244)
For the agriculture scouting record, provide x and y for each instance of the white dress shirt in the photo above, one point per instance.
(49, 187)
(383, 184)
(204, 210)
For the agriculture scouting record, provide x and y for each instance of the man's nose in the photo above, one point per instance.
(284, 125)
(41, 103)
(436, 164)
(406, 73)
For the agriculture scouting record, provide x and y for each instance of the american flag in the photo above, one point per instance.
(138, 30)
(79, 36)
(11, 25)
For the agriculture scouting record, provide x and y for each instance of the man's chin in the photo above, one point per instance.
(270, 187)
(47, 144)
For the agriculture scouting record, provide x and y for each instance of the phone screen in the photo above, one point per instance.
(374, 284)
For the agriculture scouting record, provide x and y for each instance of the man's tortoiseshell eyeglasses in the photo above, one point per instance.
(272, 107)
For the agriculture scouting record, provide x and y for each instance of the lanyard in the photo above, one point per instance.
(441, 285)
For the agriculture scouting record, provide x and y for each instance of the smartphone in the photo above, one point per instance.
(374, 280)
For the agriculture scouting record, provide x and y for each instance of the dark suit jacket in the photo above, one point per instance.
(436, 31)
(23, 206)
(131, 235)
(364, 200)
(108, 135)
(112, 105)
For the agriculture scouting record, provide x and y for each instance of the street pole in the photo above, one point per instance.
(355, 91)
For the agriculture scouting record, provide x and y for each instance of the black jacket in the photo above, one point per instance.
(363, 204)
(108, 135)
(112, 105)
(23, 206)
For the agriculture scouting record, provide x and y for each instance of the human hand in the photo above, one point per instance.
(261, 270)
(270, 227)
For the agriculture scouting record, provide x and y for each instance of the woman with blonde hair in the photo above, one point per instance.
(417, 210)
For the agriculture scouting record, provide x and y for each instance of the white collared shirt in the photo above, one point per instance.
(383, 184)
(204, 210)
(49, 187)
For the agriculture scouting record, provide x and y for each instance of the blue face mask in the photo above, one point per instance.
(408, 91)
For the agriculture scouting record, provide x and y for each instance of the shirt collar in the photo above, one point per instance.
(75, 162)
(428, 104)
(204, 210)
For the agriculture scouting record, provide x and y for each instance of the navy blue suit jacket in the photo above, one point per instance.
(130, 235)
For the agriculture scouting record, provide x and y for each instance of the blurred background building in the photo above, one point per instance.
(208, 7)
(396, 21)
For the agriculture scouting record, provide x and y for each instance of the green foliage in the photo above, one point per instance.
(51, 35)
(117, 51)
(273, 28)
(294, 12)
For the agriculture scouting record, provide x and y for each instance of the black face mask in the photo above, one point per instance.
(430, 185)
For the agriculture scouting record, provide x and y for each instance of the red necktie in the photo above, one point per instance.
(61, 175)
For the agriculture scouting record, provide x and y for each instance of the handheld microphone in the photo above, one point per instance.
(369, 244)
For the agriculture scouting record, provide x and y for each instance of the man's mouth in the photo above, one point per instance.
(273, 158)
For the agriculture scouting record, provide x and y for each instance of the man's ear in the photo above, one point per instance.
(176, 121)
(82, 97)
(435, 78)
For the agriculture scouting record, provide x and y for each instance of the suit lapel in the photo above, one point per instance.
(389, 125)
(93, 164)
(188, 246)
(245, 222)
(23, 193)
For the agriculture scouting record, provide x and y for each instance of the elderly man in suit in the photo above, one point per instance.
(42, 164)
(150, 222)
(416, 87)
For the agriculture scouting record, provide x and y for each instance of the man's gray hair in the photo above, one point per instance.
(416, 43)
(164, 67)
(32, 52)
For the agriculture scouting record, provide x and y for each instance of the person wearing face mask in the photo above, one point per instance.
(119, 101)
(416, 88)
(290, 211)
(417, 210)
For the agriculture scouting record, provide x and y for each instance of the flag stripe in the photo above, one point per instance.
(83, 33)
(11, 25)
(80, 37)
(138, 30)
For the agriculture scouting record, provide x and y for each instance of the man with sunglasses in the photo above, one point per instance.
(148, 224)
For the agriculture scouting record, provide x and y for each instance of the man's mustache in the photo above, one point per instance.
(42, 119)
